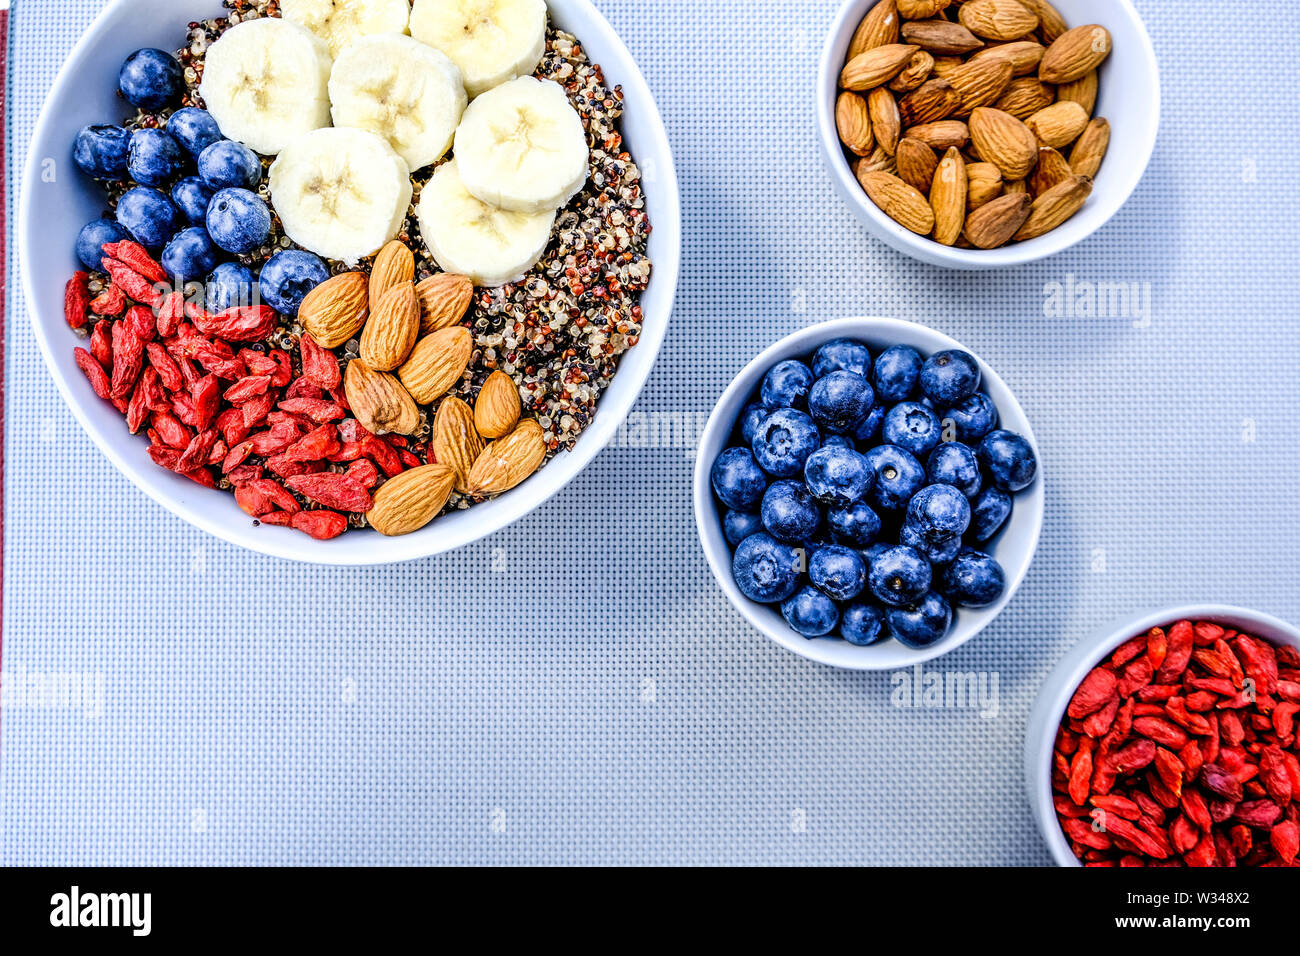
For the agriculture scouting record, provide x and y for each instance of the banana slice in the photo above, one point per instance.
(492, 246)
(521, 146)
(407, 92)
(342, 193)
(492, 41)
(266, 83)
(341, 23)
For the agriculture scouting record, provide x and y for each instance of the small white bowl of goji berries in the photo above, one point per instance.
(1172, 740)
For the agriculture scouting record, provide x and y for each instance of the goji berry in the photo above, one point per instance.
(110, 302)
(321, 525)
(128, 358)
(76, 300)
(316, 445)
(131, 282)
(101, 345)
(333, 491)
(93, 371)
(251, 323)
(319, 366)
(1178, 655)
(247, 388)
(206, 395)
(171, 431)
(137, 257)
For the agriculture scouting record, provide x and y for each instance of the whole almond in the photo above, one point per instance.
(456, 442)
(914, 74)
(1082, 91)
(994, 223)
(392, 329)
(1004, 141)
(980, 83)
(335, 310)
(1055, 206)
(943, 65)
(1075, 54)
(942, 134)
(878, 162)
(1060, 124)
(948, 197)
(437, 363)
(1024, 97)
(984, 182)
(886, 124)
(916, 164)
(998, 19)
(1016, 187)
(900, 202)
(394, 266)
(1090, 150)
(1050, 22)
(497, 408)
(921, 9)
(854, 123)
(508, 461)
(932, 101)
(378, 400)
(878, 28)
(941, 37)
(409, 501)
(1052, 168)
(876, 67)
(1023, 55)
(444, 300)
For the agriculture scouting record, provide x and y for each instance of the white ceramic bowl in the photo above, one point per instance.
(1059, 688)
(1014, 545)
(1129, 98)
(52, 214)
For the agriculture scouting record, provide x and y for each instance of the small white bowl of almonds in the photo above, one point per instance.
(976, 134)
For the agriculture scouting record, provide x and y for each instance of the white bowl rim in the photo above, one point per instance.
(826, 651)
(506, 509)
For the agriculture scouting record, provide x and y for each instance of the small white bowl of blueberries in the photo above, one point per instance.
(868, 493)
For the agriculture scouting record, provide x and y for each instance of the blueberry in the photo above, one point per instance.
(289, 276)
(854, 524)
(102, 152)
(1009, 460)
(238, 221)
(784, 441)
(863, 624)
(811, 613)
(953, 463)
(190, 255)
(972, 418)
(869, 428)
(922, 625)
(149, 216)
(92, 239)
(912, 427)
(765, 570)
(156, 158)
(948, 377)
(838, 571)
(151, 79)
(737, 481)
(193, 128)
(838, 441)
(786, 385)
(938, 553)
(789, 512)
(739, 525)
(751, 418)
(899, 576)
(939, 512)
(872, 554)
(229, 165)
(898, 477)
(839, 401)
(989, 512)
(230, 285)
(974, 579)
(896, 373)
(192, 196)
(842, 355)
(838, 476)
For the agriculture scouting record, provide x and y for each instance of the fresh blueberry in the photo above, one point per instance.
(939, 512)
(739, 525)
(192, 196)
(230, 165)
(193, 128)
(838, 476)
(151, 79)
(784, 441)
(922, 625)
(938, 553)
(751, 418)
(972, 418)
(872, 553)
(811, 613)
(156, 158)
(839, 401)
(898, 477)
(149, 216)
(102, 152)
(92, 239)
(765, 570)
(289, 276)
(863, 624)
(842, 355)
(230, 285)
(953, 463)
(786, 385)
(896, 373)
(238, 221)
(190, 255)
(948, 377)
(838, 571)
(869, 428)
(737, 480)
(974, 579)
(854, 524)
(989, 512)
(899, 576)
(789, 512)
(912, 427)
(1009, 460)
(838, 441)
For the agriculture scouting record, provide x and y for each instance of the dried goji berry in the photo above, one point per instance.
(317, 444)
(141, 321)
(276, 492)
(1081, 772)
(364, 472)
(319, 366)
(101, 345)
(251, 323)
(168, 371)
(93, 371)
(171, 431)
(76, 300)
(1260, 663)
(1162, 732)
(131, 282)
(321, 525)
(206, 396)
(256, 409)
(137, 257)
(315, 409)
(1178, 655)
(247, 388)
(1285, 838)
(333, 491)
(197, 451)
(112, 301)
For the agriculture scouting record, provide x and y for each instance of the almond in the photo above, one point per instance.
(948, 197)
(984, 181)
(886, 124)
(1004, 141)
(994, 223)
(1082, 91)
(900, 202)
(854, 123)
(1060, 124)
(941, 37)
(392, 329)
(1055, 206)
(378, 400)
(876, 67)
(508, 461)
(878, 162)
(942, 134)
(456, 442)
(411, 500)
(998, 19)
(437, 363)
(1024, 97)
(1023, 55)
(1016, 187)
(1090, 150)
(916, 164)
(930, 102)
(1050, 22)
(917, 69)
(878, 28)
(444, 300)
(394, 266)
(943, 65)
(335, 310)
(497, 408)
(1051, 169)
(980, 84)
(921, 9)
(1075, 54)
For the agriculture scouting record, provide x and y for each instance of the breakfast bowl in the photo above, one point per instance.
(1127, 96)
(1011, 541)
(53, 209)
(1065, 680)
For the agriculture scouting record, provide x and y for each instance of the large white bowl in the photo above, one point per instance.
(1129, 98)
(52, 213)
(1014, 545)
(1059, 688)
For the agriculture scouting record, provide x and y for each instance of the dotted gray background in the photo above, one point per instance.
(576, 689)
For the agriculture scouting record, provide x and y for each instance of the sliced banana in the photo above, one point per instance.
(266, 83)
(341, 193)
(492, 41)
(341, 23)
(521, 146)
(407, 92)
(492, 246)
